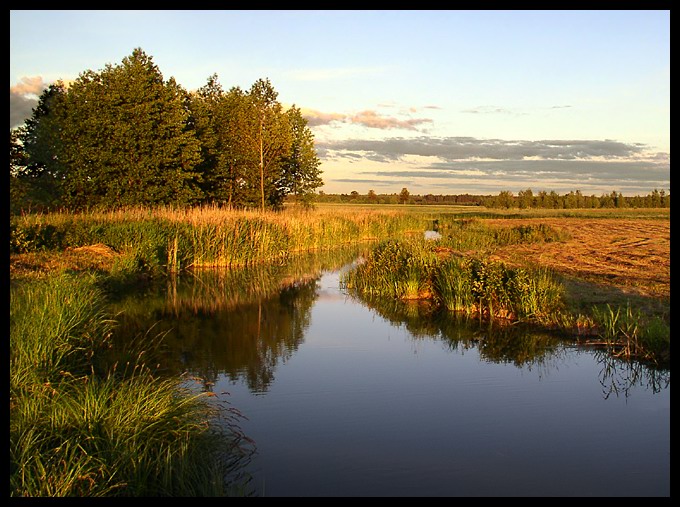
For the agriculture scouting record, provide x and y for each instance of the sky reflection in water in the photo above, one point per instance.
(343, 399)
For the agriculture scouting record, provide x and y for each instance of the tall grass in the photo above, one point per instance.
(398, 269)
(413, 269)
(465, 234)
(167, 239)
(82, 427)
(629, 334)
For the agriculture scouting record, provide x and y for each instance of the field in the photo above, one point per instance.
(610, 253)
(606, 259)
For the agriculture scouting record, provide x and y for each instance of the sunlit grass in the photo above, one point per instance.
(82, 427)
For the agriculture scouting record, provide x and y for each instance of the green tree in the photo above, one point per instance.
(372, 197)
(272, 140)
(124, 136)
(404, 196)
(525, 199)
(505, 199)
(41, 172)
(205, 105)
(301, 175)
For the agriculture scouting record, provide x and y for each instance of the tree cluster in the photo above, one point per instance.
(526, 199)
(126, 136)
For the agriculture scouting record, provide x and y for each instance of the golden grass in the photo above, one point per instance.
(606, 259)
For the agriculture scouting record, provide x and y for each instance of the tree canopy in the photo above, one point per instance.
(127, 136)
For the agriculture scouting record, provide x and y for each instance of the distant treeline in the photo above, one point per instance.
(126, 136)
(525, 199)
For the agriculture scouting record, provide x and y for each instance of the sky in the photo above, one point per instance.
(437, 101)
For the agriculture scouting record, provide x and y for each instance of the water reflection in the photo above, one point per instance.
(357, 413)
(516, 344)
(238, 323)
(242, 323)
(619, 377)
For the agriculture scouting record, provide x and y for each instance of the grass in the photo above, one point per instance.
(82, 427)
(469, 280)
(163, 240)
(416, 269)
(78, 425)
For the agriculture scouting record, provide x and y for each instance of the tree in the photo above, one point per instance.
(525, 199)
(301, 175)
(372, 198)
(505, 199)
(404, 196)
(272, 139)
(124, 136)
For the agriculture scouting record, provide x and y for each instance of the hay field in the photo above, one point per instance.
(605, 259)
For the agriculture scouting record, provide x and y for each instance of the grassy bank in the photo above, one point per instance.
(80, 426)
(456, 273)
(166, 239)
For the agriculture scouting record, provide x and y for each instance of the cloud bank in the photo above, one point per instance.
(23, 97)
(463, 164)
(367, 118)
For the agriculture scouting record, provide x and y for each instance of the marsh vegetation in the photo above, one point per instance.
(83, 400)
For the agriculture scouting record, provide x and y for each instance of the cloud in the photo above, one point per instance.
(487, 110)
(489, 165)
(315, 118)
(372, 119)
(20, 109)
(466, 148)
(364, 181)
(23, 97)
(29, 85)
(367, 118)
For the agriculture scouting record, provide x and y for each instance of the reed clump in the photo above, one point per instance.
(82, 427)
(166, 239)
(415, 270)
(628, 333)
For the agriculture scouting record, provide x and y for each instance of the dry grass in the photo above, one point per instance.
(38, 264)
(605, 258)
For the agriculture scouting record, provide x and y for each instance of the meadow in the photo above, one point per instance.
(79, 424)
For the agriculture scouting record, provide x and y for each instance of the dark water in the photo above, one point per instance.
(348, 398)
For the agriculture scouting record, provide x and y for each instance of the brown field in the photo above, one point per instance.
(606, 259)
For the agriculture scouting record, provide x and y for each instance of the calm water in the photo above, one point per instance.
(346, 398)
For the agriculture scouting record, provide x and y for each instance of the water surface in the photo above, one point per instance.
(351, 398)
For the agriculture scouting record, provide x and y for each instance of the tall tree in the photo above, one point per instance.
(124, 137)
(301, 175)
(404, 195)
(272, 139)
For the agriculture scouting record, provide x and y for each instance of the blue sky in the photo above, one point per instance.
(441, 101)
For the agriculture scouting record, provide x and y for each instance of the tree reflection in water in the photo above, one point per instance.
(521, 345)
(242, 322)
(234, 322)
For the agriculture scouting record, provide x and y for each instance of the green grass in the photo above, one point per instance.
(82, 427)
(163, 240)
(413, 270)
(476, 286)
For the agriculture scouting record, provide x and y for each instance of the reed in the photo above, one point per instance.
(414, 270)
(167, 239)
(82, 427)
(465, 234)
(627, 333)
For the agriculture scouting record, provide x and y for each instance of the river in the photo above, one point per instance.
(351, 398)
